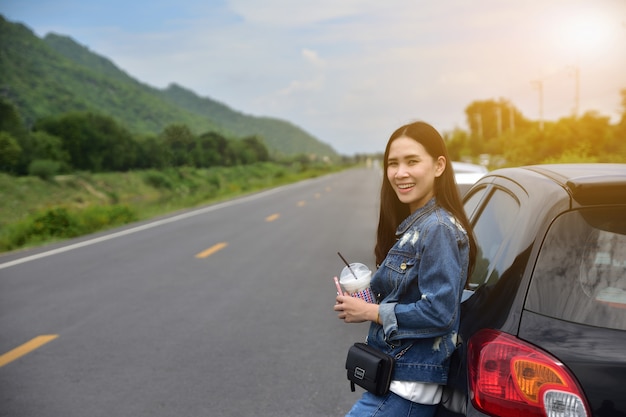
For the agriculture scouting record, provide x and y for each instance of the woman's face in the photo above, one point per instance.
(411, 171)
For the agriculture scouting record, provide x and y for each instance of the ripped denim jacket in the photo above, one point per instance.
(419, 287)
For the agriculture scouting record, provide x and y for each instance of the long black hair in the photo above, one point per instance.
(393, 211)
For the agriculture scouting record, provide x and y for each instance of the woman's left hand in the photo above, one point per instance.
(355, 310)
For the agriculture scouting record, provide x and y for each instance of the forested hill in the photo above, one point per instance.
(289, 139)
(55, 75)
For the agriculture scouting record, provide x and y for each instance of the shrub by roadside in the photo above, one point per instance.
(63, 223)
(35, 211)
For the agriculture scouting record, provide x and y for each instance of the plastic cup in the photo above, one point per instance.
(359, 285)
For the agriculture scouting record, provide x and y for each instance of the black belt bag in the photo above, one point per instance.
(369, 368)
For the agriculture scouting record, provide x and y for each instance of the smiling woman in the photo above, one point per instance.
(422, 232)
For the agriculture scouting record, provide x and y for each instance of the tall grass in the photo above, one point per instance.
(35, 211)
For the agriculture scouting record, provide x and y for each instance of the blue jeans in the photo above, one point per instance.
(369, 405)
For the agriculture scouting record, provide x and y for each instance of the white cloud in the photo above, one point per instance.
(313, 57)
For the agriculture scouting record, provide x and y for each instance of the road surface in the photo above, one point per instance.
(221, 311)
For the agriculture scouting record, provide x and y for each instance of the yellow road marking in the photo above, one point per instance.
(272, 217)
(27, 347)
(211, 250)
(301, 203)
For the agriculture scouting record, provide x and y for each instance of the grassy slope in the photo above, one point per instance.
(143, 194)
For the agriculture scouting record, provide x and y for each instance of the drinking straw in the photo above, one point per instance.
(347, 264)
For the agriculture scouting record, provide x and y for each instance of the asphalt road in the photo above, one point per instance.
(222, 311)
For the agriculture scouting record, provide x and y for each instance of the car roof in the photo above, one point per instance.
(588, 183)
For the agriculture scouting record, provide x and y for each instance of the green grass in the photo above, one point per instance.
(35, 212)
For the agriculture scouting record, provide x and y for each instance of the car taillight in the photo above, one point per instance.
(509, 377)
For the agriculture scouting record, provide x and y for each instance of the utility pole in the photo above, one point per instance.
(479, 121)
(576, 90)
(539, 85)
(499, 120)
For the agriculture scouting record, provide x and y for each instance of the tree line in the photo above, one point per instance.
(86, 141)
(498, 129)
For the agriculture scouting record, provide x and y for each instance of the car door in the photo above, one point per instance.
(495, 211)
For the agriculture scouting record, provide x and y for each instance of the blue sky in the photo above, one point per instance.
(350, 71)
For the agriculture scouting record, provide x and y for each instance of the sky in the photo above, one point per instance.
(349, 72)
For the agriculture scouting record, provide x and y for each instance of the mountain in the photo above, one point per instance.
(55, 75)
(272, 130)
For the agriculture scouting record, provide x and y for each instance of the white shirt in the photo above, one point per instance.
(418, 392)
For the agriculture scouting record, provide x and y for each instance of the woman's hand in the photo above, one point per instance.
(355, 310)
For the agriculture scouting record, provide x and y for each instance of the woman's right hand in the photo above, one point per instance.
(355, 310)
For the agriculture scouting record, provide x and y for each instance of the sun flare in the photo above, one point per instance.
(584, 31)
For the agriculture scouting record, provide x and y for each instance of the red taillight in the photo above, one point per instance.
(509, 377)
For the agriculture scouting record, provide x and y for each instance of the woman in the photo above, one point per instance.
(424, 254)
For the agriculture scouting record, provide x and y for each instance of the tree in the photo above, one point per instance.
(152, 153)
(10, 121)
(93, 142)
(490, 119)
(570, 139)
(45, 146)
(523, 147)
(9, 152)
(257, 148)
(210, 146)
(180, 143)
(458, 143)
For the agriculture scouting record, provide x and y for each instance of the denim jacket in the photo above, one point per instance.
(419, 287)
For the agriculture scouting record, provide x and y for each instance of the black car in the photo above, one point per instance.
(543, 325)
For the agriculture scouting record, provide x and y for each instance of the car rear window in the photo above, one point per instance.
(580, 274)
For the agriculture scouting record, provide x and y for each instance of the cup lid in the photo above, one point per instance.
(360, 270)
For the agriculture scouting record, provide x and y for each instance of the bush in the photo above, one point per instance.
(44, 168)
(56, 222)
(60, 223)
(96, 218)
(158, 180)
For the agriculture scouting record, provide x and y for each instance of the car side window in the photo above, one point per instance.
(491, 226)
(471, 201)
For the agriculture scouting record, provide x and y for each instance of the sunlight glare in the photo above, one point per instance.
(584, 32)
